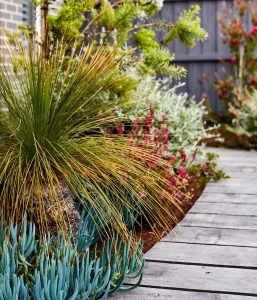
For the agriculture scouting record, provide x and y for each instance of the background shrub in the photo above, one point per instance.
(233, 86)
(184, 118)
(245, 119)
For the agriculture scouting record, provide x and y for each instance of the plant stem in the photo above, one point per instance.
(44, 32)
(99, 15)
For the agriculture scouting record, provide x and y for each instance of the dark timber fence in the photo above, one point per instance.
(205, 57)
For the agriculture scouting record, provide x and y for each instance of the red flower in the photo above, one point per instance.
(149, 121)
(254, 29)
(183, 155)
(254, 81)
(234, 42)
(172, 181)
(165, 130)
(136, 126)
(151, 112)
(171, 184)
(164, 118)
(233, 60)
(151, 164)
(153, 161)
(182, 172)
(156, 131)
(120, 128)
(172, 158)
(165, 138)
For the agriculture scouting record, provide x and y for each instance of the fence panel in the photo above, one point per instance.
(205, 57)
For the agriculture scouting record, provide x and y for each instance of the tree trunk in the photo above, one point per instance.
(44, 31)
(61, 212)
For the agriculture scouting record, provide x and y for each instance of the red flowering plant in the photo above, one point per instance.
(232, 87)
(149, 133)
(185, 170)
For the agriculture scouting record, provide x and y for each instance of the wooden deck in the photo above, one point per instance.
(212, 253)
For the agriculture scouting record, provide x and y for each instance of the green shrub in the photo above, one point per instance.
(245, 119)
(184, 118)
(130, 25)
(239, 32)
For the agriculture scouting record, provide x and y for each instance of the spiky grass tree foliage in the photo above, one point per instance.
(51, 145)
(43, 269)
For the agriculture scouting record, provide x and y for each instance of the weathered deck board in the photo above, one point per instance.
(213, 236)
(220, 221)
(204, 278)
(228, 198)
(225, 208)
(143, 293)
(229, 169)
(212, 253)
(243, 181)
(203, 254)
(235, 189)
(237, 174)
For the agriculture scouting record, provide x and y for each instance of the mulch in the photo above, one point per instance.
(154, 233)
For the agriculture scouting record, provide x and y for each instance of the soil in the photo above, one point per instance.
(153, 234)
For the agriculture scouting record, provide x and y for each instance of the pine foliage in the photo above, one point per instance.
(130, 24)
(188, 28)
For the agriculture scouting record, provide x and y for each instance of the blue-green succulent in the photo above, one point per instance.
(62, 267)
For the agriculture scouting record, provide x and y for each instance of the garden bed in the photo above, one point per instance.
(153, 234)
(227, 139)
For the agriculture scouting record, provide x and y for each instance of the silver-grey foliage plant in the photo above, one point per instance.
(185, 117)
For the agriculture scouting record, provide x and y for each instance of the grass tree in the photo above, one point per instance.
(53, 152)
(41, 16)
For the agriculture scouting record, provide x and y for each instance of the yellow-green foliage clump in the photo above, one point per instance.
(51, 145)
